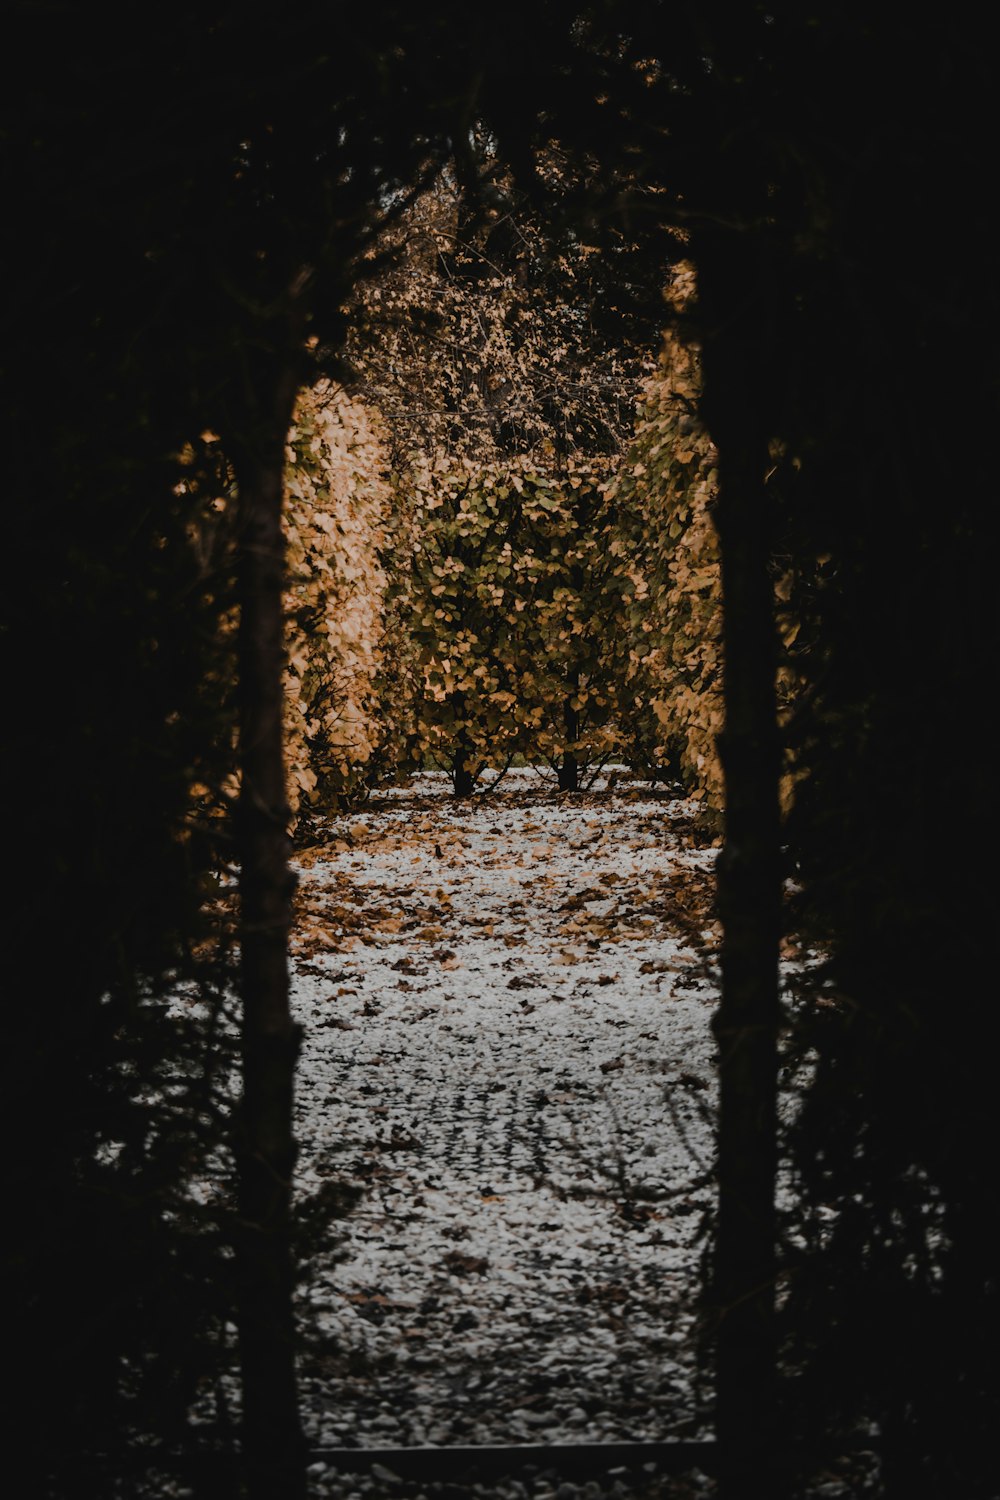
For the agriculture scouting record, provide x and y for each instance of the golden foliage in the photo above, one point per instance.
(507, 608)
(671, 699)
(336, 492)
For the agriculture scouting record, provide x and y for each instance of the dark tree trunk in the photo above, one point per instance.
(737, 323)
(272, 1439)
(463, 778)
(569, 773)
(569, 766)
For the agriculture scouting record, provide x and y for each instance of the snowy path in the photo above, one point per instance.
(508, 1050)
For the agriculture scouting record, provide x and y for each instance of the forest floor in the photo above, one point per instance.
(508, 1059)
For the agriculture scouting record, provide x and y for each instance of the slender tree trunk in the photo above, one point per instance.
(569, 766)
(462, 777)
(272, 1439)
(737, 326)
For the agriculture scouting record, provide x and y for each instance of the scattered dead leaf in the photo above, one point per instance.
(465, 1265)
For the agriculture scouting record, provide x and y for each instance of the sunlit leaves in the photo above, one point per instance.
(671, 699)
(507, 608)
(336, 491)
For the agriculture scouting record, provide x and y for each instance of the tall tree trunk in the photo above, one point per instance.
(272, 1439)
(735, 303)
(569, 766)
(463, 779)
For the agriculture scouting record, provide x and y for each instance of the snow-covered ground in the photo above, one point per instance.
(507, 1049)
